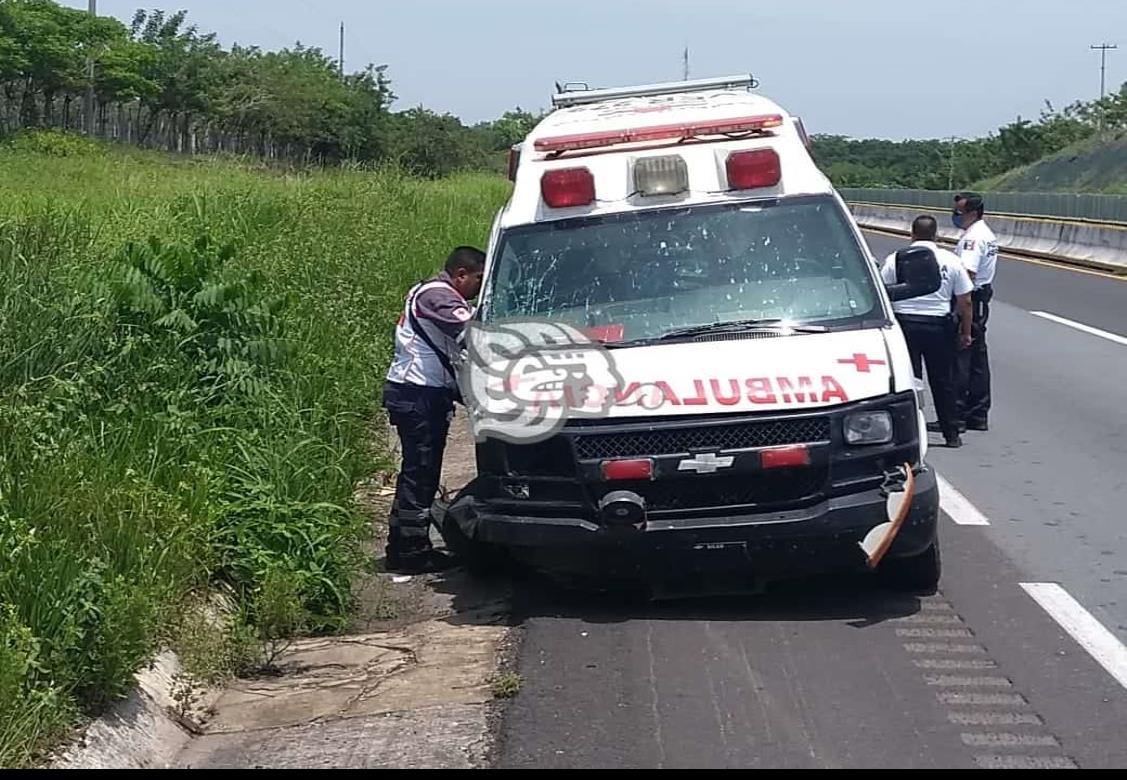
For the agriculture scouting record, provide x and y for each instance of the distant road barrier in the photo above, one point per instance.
(1056, 205)
(1092, 244)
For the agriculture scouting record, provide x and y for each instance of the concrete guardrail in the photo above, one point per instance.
(1090, 244)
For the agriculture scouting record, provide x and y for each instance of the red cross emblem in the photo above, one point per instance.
(863, 363)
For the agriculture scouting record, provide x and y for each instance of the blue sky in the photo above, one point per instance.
(865, 68)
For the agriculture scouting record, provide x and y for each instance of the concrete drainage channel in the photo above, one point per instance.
(421, 691)
(421, 697)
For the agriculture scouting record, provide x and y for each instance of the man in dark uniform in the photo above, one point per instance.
(419, 396)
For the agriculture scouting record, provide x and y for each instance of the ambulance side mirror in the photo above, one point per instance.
(917, 273)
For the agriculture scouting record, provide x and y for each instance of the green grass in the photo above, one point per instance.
(507, 685)
(191, 410)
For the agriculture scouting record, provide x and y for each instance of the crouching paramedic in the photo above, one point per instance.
(929, 325)
(419, 396)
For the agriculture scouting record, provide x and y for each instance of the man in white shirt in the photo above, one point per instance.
(978, 249)
(929, 326)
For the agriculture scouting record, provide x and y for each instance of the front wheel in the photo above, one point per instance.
(918, 574)
(479, 557)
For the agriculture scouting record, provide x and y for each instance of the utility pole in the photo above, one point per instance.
(686, 69)
(1103, 49)
(89, 110)
(951, 169)
(341, 60)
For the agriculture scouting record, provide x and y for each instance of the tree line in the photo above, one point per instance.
(162, 82)
(939, 164)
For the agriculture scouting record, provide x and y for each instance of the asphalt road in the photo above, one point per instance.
(1017, 662)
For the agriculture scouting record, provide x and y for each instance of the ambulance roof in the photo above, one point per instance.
(705, 155)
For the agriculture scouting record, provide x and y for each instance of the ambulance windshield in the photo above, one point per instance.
(640, 275)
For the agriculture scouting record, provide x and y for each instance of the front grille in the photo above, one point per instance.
(673, 441)
(785, 486)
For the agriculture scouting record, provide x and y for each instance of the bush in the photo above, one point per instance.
(52, 143)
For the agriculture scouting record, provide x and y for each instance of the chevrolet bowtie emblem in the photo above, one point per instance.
(706, 464)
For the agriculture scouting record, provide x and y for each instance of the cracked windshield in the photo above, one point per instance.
(644, 274)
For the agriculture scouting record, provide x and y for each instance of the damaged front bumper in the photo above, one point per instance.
(823, 537)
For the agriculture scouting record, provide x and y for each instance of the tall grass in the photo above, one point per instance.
(190, 357)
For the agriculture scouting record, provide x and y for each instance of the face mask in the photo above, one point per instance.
(957, 220)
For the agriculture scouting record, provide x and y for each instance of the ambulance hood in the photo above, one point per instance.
(753, 372)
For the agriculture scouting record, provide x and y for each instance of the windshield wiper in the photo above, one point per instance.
(739, 326)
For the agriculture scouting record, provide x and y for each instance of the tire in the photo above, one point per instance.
(479, 558)
(919, 574)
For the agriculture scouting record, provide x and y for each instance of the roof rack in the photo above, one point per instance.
(566, 97)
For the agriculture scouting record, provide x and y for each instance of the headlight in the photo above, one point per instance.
(868, 428)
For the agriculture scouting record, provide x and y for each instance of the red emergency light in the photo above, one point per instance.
(785, 457)
(568, 187)
(568, 143)
(642, 468)
(754, 169)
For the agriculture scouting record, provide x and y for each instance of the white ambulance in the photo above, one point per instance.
(687, 230)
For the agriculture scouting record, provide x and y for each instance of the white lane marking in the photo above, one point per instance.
(1100, 643)
(1103, 334)
(983, 699)
(944, 647)
(935, 633)
(956, 505)
(931, 618)
(1024, 762)
(1004, 740)
(958, 681)
(954, 664)
(936, 606)
(995, 719)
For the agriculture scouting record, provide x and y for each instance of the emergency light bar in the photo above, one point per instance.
(567, 143)
(565, 99)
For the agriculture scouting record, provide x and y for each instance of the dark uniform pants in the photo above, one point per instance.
(972, 370)
(421, 416)
(931, 340)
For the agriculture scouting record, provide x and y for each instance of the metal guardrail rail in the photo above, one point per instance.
(1058, 205)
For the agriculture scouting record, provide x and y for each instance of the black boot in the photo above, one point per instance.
(420, 562)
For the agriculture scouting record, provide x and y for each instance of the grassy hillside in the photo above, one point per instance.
(1094, 165)
(190, 356)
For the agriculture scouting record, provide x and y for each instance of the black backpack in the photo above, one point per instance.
(917, 273)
